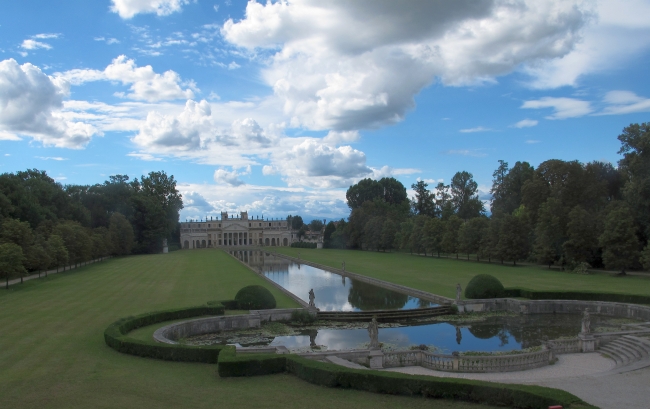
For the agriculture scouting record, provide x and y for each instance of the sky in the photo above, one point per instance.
(277, 108)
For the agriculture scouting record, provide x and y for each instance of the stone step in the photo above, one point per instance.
(638, 349)
(630, 350)
(615, 355)
(344, 362)
(642, 342)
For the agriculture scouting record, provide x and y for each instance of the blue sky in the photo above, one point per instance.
(276, 108)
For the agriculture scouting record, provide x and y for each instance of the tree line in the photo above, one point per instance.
(563, 213)
(47, 225)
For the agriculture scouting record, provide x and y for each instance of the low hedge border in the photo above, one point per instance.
(330, 375)
(304, 245)
(116, 335)
(576, 295)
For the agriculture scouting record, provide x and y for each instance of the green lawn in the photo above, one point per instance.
(439, 276)
(52, 351)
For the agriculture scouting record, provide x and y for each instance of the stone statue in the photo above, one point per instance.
(373, 332)
(586, 322)
(312, 297)
(343, 264)
(459, 291)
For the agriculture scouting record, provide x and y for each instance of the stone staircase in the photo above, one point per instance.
(627, 350)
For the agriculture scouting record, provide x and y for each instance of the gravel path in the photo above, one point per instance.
(591, 377)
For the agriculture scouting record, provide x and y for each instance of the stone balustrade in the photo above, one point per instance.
(469, 363)
(565, 346)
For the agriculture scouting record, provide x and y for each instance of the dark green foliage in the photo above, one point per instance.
(618, 240)
(255, 297)
(302, 317)
(635, 165)
(464, 196)
(303, 245)
(116, 336)
(330, 375)
(424, 201)
(484, 286)
(576, 295)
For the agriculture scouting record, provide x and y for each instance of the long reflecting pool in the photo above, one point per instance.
(496, 333)
(333, 291)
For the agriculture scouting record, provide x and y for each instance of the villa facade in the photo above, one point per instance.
(238, 231)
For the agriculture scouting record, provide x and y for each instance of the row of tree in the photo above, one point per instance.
(46, 225)
(562, 212)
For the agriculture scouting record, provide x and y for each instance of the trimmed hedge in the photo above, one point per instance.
(255, 297)
(576, 295)
(304, 245)
(330, 375)
(484, 286)
(116, 336)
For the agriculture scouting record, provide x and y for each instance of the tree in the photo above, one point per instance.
(513, 238)
(645, 258)
(120, 234)
(618, 240)
(507, 186)
(372, 233)
(11, 261)
(464, 196)
(394, 192)
(434, 230)
(101, 242)
(77, 241)
(443, 201)
(417, 238)
(57, 252)
(582, 237)
(296, 222)
(327, 235)
(365, 190)
(490, 240)
(635, 165)
(470, 235)
(388, 233)
(37, 258)
(316, 225)
(450, 238)
(17, 232)
(302, 231)
(423, 202)
(549, 235)
(498, 190)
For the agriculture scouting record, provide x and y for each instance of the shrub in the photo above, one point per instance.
(484, 286)
(255, 297)
(576, 295)
(116, 336)
(302, 317)
(303, 245)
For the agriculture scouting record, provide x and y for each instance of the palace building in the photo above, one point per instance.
(239, 231)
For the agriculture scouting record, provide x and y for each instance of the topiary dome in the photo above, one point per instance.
(255, 297)
(484, 286)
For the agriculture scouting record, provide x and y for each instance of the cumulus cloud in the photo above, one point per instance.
(144, 156)
(176, 133)
(231, 178)
(622, 32)
(249, 131)
(478, 153)
(526, 123)
(354, 65)
(313, 163)
(563, 107)
(129, 8)
(145, 83)
(31, 104)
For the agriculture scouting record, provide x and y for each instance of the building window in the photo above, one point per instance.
(249, 224)
(208, 225)
(219, 224)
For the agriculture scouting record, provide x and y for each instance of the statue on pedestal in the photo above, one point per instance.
(312, 297)
(373, 332)
(586, 322)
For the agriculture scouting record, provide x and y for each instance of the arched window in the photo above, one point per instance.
(186, 244)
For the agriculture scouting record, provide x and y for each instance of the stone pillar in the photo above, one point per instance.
(165, 247)
(587, 342)
(376, 358)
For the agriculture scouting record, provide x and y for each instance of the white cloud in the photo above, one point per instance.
(269, 170)
(532, 141)
(624, 102)
(620, 33)
(108, 41)
(354, 65)
(47, 35)
(35, 45)
(231, 178)
(526, 123)
(31, 105)
(129, 8)
(476, 129)
(56, 158)
(7, 136)
(145, 83)
(144, 156)
(564, 107)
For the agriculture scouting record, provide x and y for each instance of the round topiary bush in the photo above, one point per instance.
(484, 286)
(255, 297)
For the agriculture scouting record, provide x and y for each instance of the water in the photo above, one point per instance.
(333, 291)
(496, 333)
